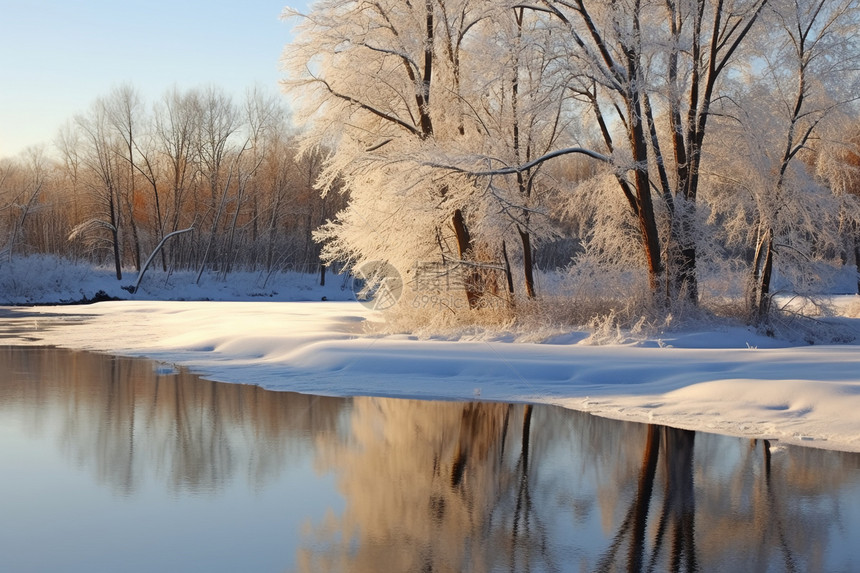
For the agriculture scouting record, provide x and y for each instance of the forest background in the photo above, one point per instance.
(568, 161)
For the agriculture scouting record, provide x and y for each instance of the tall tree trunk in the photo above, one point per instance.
(159, 218)
(760, 280)
(231, 233)
(509, 277)
(647, 220)
(637, 131)
(528, 264)
(766, 273)
(753, 281)
(271, 232)
(114, 231)
(524, 188)
(471, 278)
(217, 216)
(135, 237)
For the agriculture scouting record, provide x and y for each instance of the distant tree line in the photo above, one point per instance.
(125, 174)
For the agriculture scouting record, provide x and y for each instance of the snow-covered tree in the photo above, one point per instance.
(384, 84)
(804, 76)
(838, 163)
(525, 112)
(650, 72)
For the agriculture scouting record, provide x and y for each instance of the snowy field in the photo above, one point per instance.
(728, 380)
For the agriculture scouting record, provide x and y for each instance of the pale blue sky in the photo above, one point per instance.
(58, 56)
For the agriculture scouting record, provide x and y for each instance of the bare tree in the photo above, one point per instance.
(33, 179)
(219, 162)
(100, 153)
(8, 169)
(262, 117)
(68, 143)
(176, 132)
(124, 107)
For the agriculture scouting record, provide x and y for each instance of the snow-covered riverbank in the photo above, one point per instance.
(726, 380)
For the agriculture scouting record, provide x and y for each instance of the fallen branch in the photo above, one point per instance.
(133, 289)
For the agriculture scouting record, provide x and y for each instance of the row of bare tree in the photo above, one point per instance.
(126, 175)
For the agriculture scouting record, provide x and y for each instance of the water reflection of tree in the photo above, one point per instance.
(129, 422)
(460, 487)
(448, 486)
(429, 488)
(480, 487)
(748, 516)
(675, 526)
(778, 508)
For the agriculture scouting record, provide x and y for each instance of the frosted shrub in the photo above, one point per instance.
(40, 278)
(445, 314)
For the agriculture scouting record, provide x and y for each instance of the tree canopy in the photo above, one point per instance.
(461, 128)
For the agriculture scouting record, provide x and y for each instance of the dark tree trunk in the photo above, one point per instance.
(753, 284)
(114, 221)
(135, 239)
(760, 279)
(766, 273)
(685, 279)
(528, 263)
(471, 280)
(647, 220)
(508, 274)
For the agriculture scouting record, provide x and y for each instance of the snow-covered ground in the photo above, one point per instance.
(283, 336)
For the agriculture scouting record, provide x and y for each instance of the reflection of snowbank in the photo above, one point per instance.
(730, 381)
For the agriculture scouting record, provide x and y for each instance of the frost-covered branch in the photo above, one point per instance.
(153, 254)
(89, 225)
(514, 169)
(367, 107)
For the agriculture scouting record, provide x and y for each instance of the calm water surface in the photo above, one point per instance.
(110, 464)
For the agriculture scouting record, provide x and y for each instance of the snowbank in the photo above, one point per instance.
(48, 280)
(728, 380)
